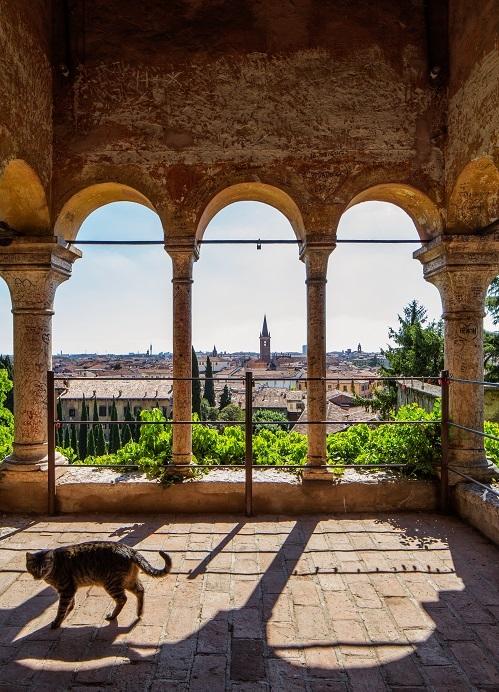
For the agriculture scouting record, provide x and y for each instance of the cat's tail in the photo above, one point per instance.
(146, 566)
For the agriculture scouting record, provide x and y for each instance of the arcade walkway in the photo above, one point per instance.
(390, 602)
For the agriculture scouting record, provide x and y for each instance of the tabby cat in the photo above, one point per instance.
(112, 565)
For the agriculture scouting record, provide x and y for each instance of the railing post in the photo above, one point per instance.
(444, 469)
(51, 441)
(248, 458)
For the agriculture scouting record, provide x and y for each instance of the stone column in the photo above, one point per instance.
(316, 255)
(462, 267)
(33, 270)
(183, 258)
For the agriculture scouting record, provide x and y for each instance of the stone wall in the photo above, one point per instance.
(26, 86)
(321, 101)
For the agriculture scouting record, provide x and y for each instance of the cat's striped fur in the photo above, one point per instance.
(112, 565)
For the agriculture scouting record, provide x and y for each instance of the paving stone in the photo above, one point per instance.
(350, 628)
(247, 660)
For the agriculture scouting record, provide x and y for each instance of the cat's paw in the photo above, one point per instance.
(55, 625)
(110, 617)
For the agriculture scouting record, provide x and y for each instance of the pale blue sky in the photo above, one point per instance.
(119, 298)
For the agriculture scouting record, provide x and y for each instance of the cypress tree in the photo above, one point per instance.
(74, 439)
(114, 435)
(225, 397)
(100, 442)
(196, 385)
(126, 435)
(59, 433)
(83, 436)
(91, 441)
(96, 411)
(136, 435)
(67, 438)
(209, 386)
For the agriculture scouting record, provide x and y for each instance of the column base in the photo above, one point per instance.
(24, 486)
(314, 473)
(13, 463)
(485, 472)
(182, 466)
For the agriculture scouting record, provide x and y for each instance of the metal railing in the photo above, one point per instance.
(249, 425)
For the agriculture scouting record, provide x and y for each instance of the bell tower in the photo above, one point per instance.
(265, 355)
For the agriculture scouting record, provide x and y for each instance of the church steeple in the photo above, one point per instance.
(265, 354)
(265, 331)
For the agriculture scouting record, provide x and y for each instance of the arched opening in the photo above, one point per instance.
(78, 208)
(112, 302)
(369, 284)
(236, 285)
(255, 192)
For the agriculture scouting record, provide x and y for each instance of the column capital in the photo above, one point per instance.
(33, 269)
(183, 252)
(315, 253)
(461, 267)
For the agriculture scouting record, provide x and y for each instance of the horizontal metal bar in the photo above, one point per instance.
(355, 378)
(475, 432)
(461, 381)
(257, 467)
(469, 478)
(255, 422)
(256, 241)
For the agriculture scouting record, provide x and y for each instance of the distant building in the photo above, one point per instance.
(304, 349)
(265, 354)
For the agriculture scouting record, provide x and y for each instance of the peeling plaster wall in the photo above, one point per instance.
(26, 85)
(473, 120)
(179, 99)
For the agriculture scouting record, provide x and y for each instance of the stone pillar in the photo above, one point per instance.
(183, 258)
(315, 256)
(462, 267)
(33, 270)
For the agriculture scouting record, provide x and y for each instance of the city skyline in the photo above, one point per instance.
(119, 297)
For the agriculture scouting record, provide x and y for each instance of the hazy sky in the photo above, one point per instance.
(119, 298)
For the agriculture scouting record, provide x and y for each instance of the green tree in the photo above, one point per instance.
(418, 352)
(196, 385)
(232, 413)
(6, 364)
(262, 416)
(114, 435)
(208, 412)
(491, 356)
(492, 301)
(100, 442)
(419, 345)
(66, 443)
(126, 434)
(59, 433)
(74, 439)
(91, 441)
(209, 385)
(225, 397)
(6, 417)
(83, 436)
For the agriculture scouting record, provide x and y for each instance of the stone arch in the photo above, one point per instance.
(422, 210)
(23, 203)
(83, 203)
(474, 200)
(253, 192)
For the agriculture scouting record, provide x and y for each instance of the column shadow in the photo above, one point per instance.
(241, 646)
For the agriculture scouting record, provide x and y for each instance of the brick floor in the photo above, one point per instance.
(389, 602)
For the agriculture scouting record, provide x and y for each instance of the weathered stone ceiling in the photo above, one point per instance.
(184, 97)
